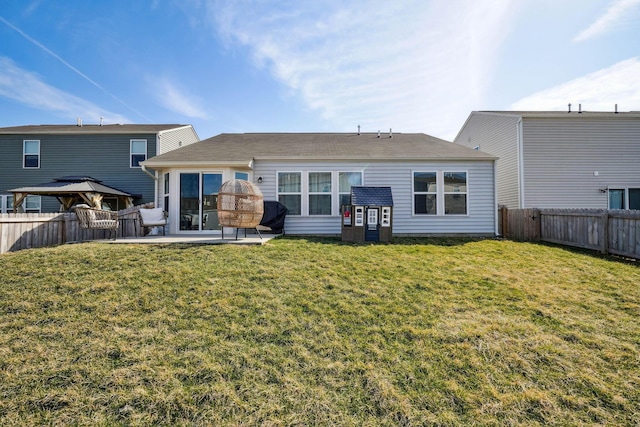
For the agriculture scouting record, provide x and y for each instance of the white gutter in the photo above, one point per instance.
(144, 169)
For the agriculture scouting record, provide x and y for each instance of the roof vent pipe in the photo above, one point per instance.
(79, 122)
(358, 129)
(569, 108)
(579, 108)
(378, 134)
(101, 120)
(616, 108)
(390, 133)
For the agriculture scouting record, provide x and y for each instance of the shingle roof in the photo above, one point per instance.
(244, 147)
(371, 196)
(87, 129)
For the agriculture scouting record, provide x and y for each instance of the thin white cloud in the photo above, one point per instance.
(28, 89)
(69, 66)
(618, 14)
(598, 91)
(411, 65)
(174, 97)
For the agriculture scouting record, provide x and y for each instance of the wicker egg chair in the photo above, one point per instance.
(240, 205)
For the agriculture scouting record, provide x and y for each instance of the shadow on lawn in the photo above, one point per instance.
(396, 241)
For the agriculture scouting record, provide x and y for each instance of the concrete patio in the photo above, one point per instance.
(251, 239)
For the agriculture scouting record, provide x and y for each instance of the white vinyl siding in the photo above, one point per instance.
(497, 134)
(570, 163)
(480, 219)
(175, 138)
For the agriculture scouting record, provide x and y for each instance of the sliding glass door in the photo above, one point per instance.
(199, 201)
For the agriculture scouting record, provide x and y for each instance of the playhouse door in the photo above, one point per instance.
(372, 231)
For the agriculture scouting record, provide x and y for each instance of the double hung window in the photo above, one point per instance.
(345, 181)
(290, 191)
(440, 193)
(320, 193)
(138, 152)
(31, 154)
(425, 193)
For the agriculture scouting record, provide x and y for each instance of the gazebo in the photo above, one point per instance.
(70, 190)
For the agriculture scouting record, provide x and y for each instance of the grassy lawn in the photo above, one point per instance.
(316, 332)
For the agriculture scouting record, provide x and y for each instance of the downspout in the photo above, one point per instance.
(496, 226)
(520, 166)
(155, 184)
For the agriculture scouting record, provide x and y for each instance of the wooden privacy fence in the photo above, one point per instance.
(31, 230)
(608, 231)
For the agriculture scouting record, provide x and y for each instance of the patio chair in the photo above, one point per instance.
(97, 219)
(155, 217)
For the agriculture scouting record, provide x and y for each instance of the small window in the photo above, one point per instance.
(319, 193)
(242, 175)
(634, 198)
(138, 152)
(345, 181)
(290, 191)
(455, 193)
(616, 198)
(31, 154)
(165, 178)
(6, 204)
(425, 190)
(31, 204)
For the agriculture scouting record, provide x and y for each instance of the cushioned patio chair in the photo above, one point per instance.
(155, 217)
(97, 219)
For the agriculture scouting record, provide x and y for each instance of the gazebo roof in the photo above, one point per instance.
(72, 189)
(72, 185)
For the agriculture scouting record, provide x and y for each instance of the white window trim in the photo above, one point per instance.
(4, 198)
(336, 210)
(32, 196)
(24, 153)
(466, 193)
(332, 177)
(414, 192)
(440, 193)
(305, 193)
(303, 183)
(624, 188)
(131, 153)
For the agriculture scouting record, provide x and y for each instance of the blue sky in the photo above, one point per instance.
(313, 66)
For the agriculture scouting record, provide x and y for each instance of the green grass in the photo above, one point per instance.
(316, 332)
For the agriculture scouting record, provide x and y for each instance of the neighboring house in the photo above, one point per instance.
(438, 187)
(560, 159)
(32, 155)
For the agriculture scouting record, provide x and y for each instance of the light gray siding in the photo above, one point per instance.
(175, 138)
(497, 134)
(561, 158)
(481, 218)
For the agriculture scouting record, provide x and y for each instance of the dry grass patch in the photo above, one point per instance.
(316, 332)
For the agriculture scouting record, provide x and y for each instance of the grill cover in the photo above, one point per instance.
(274, 216)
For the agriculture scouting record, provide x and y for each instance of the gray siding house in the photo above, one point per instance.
(439, 188)
(31, 155)
(560, 159)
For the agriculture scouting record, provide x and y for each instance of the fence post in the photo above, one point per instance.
(605, 233)
(504, 220)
